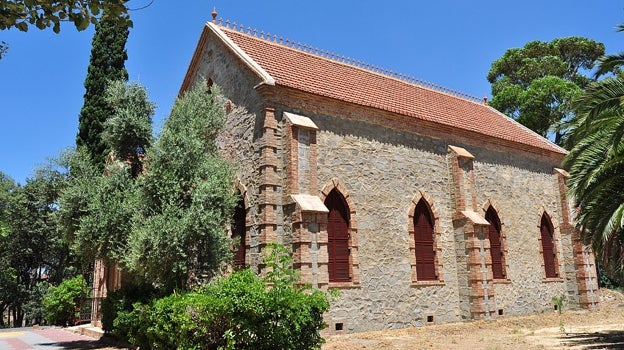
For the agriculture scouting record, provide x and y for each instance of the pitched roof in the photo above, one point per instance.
(320, 75)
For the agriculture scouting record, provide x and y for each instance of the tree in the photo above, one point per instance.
(44, 14)
(98, 207)
(596, 163)
(8, 275)
(186, 196)
(32, 250)
(536, 84)
(175, 212)
(107, 64)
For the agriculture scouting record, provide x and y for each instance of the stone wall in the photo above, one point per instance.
(382, 163)
(383, 169)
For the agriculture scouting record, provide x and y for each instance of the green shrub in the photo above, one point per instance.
(62, 304)
(122, 300)
(237, 312)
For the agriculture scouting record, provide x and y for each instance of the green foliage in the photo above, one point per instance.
(596, 165)
(607, 281)
(98, 208)
(62, 304)
(236, 312)
(44, 14)
(107, 64)
(536, 84)
(175, 213)
(121, 300)
(33, 307)
(4, 48)
(186, 197)
(128, 131)
(32, 250)
(559, 301)
(104, 207)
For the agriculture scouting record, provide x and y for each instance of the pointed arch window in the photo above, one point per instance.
(548, 247)
(239, 233)
(496, 244)
(338, 237)
(424, 243)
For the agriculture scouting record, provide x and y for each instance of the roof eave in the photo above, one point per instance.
(555, 152)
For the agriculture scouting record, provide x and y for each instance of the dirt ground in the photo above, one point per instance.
(573, 329)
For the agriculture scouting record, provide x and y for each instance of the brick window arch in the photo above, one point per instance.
(338, 237)
(239, 233)
(548, 246)
(425, 236)
(497, 251)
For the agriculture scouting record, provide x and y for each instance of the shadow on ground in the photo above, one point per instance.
(83, 344)
(595, 340)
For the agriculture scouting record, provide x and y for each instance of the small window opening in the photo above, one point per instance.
(338, 326)
(430, 319)
(500, 312)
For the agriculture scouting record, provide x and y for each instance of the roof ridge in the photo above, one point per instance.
(308, 49)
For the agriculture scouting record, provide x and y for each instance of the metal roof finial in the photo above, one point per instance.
(214, 15)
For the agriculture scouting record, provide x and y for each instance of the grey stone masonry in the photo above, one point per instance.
(290, 147)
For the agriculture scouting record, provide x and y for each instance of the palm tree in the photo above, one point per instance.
(596, 164)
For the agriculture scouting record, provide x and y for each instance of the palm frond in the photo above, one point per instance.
(609, 64)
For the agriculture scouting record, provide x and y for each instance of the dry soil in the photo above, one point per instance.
(573, 329)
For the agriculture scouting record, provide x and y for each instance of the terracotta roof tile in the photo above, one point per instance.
(314, 74)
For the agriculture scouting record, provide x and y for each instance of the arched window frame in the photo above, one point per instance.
(503, 239)
(543, 215)
(354, 264)
(437, 238)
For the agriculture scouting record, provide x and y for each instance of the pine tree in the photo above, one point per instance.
(107, 63)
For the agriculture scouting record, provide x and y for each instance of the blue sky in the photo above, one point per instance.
(449, 43)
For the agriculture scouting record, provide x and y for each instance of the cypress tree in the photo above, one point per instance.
(107, 63)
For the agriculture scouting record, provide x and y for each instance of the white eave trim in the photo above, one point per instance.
(267, 79)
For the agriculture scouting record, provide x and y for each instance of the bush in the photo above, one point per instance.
(236, 312)
(122, 300)
(62, 304)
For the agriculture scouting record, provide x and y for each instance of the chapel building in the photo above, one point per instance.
(420, 204)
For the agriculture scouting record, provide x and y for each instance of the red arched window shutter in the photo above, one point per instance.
(496, 247)
(338, 237)
(548, 247)
(423, 243)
